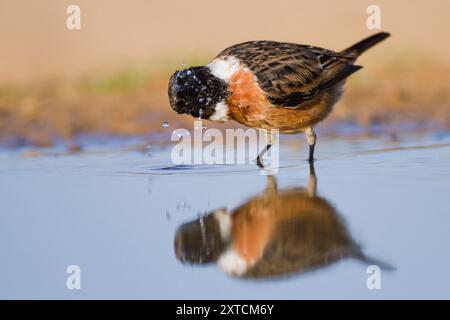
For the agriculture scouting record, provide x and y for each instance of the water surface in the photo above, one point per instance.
(140, 231)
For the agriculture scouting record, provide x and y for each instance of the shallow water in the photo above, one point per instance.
(140, 231)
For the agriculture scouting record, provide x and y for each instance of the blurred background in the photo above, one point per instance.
(110, 77)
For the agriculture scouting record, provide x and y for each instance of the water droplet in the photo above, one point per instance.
(165, 124)
(188, 72)
(147, 151)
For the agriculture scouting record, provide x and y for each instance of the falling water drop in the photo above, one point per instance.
(148, 151)
(165, 124)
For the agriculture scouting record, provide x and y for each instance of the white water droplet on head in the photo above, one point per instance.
(165, 124)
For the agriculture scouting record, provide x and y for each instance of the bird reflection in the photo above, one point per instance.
(275, 233)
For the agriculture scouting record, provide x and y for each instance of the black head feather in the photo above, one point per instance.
(196, 91)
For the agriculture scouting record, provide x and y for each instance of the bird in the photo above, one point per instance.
(268, 85)
(275, 233)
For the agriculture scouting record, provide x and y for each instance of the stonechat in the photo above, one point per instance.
(268, 85)
(278, 232)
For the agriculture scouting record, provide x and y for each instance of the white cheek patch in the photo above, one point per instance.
(232, 263)
(221, 112)
(224, 68)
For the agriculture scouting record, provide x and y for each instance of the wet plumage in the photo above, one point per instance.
(275, 85)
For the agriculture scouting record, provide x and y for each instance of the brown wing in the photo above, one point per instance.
(291, 73)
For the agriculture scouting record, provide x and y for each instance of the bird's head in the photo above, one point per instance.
(204, 239)
(196, 91)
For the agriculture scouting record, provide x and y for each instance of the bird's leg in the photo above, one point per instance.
(312, 181)
(271, 184)
(263, 151)
(311, 138)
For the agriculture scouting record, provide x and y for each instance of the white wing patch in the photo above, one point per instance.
(224, 68)
(223, 217)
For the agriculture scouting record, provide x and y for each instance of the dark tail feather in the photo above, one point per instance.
(372, 261)
(365, 44)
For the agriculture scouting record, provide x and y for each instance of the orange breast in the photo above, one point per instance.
(251, 233)
(248, 105)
